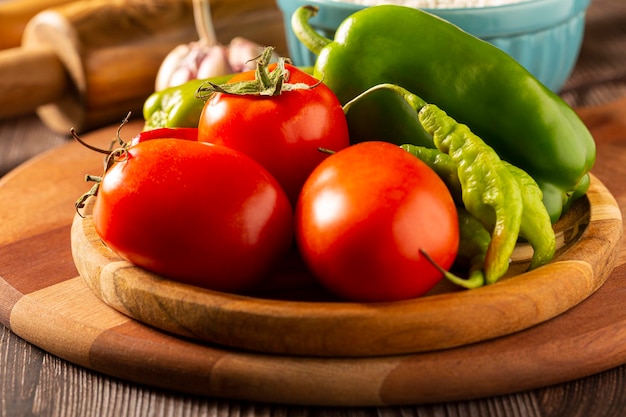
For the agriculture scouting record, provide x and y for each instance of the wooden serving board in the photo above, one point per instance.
(282, 322)
(45, 301)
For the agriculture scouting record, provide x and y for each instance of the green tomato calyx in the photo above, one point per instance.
(266, 82)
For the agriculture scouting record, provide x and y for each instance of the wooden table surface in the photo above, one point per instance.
(35, 383)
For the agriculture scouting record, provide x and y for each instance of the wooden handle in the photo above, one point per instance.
(29, 78)
(112, 50)
(15, 14)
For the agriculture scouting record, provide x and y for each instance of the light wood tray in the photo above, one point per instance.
(300, 319)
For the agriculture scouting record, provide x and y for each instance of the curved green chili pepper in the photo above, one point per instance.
(489, 190)
(471, 80)
(535, 225)
(474, 238)
(473, 247)
(471, 254)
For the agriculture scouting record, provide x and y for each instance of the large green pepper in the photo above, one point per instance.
(473, 81)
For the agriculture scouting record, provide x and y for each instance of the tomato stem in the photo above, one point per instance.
(86, 145)
(327, 151)
(265, 83)
(112, 155)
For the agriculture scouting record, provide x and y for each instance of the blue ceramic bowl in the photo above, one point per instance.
(542, 35)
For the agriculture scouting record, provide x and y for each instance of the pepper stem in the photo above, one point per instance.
(413, 100)
(475, 280)
(305, 32)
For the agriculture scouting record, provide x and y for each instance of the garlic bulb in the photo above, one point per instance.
(206, 58)
(199, 61)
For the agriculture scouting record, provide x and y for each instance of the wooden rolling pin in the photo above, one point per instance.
(15, 14)
(86, 64)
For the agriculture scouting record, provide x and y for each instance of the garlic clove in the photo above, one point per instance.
(214, 63)
(242, 53)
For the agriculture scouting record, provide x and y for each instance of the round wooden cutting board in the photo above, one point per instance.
(319, 327)
(44, 300)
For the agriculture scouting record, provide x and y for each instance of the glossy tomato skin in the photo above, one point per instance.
(362, 218)
(201, 214)
(284, 132)
(185, 133)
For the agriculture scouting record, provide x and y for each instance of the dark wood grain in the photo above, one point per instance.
(35, 383)
(24, 137)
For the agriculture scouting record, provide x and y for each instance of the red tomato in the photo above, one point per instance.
(186, 133)
(201, 214)
(283, 132)
(363, 217)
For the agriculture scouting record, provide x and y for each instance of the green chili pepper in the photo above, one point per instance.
(474, 238)
(472, 252)
(489, 190)
(176, 106)
(471, 80)
(535, 225)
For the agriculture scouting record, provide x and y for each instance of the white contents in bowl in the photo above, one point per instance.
(435, 4)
